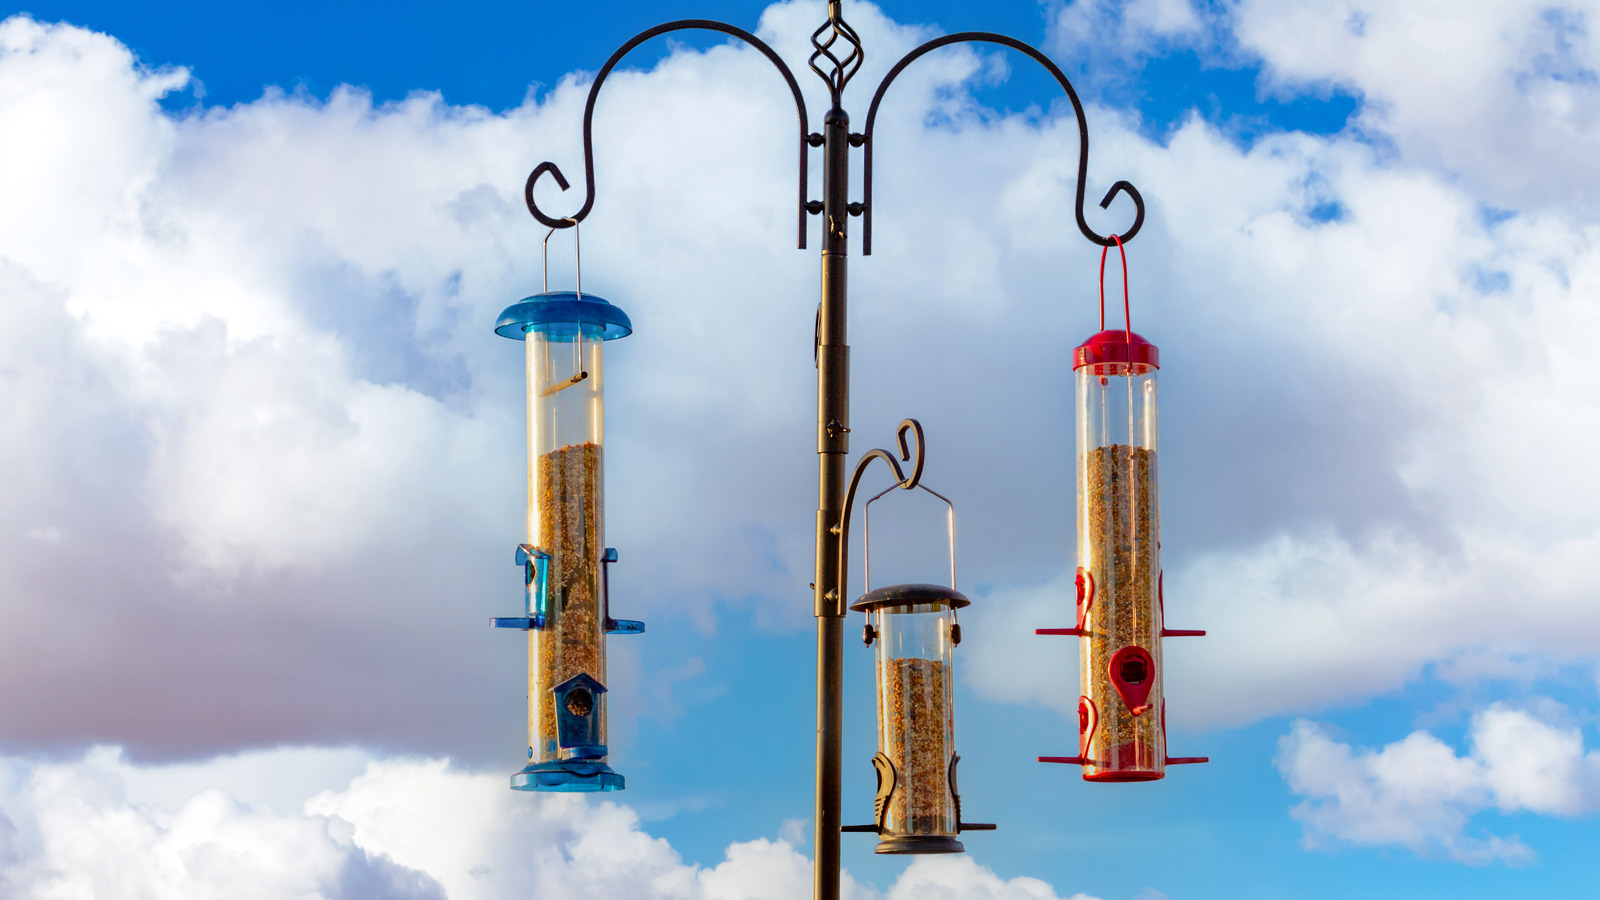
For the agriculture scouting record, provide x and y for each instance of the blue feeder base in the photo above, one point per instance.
(567, 776)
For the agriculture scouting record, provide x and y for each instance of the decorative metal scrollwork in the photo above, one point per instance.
(841, 67)
(836, 59)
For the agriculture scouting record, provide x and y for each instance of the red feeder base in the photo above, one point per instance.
(1129, 761)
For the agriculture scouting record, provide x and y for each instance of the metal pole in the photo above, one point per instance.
(833, 447)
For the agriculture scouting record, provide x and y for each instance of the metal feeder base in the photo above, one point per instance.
(919, 843)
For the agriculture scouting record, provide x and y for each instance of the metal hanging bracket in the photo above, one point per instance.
(834, 600)
(806, 137)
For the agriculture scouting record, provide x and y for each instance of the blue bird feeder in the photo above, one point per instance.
(565, 561)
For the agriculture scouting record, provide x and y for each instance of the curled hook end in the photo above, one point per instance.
(905, 452)
(561, 182)
(1121, 187)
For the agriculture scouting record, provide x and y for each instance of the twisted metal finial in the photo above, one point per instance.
(843, 68)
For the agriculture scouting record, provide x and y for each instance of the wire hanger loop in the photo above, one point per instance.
(577, 243)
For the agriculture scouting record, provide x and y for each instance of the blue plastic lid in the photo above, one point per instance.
(562, 314)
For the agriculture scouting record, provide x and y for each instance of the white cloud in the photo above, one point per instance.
(1418, 793)
(1534, 765)
(253, 386)
(1365, 502)
(1506, 94)
(1034, 669)
(1102, 39)
(74, 832)
(1501, 97)
(403, 829)
(959, 878)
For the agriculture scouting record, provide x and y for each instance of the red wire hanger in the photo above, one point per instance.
(1127, 315)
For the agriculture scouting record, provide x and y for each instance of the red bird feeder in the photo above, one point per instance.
(1122, 731)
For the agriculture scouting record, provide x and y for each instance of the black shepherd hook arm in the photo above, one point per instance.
(1077, 107)
(903, 481)
(588, 122)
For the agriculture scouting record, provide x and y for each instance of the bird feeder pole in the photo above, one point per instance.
(837, 56)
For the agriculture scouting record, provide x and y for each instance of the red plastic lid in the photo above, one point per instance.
(1111, 350)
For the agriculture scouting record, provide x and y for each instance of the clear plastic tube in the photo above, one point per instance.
(566, 526)
(915, 720)
(1119, 576)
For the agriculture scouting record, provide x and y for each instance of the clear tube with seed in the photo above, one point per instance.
(1120, 714)
(915, 727)
(566, 523)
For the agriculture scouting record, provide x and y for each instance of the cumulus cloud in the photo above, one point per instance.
(1506, 95)
(959, 878)
(1419, 794)
(1103, 41)
(75, 831)
(274, 453)
(1363, 504)
(200, 446)
(298, 823)
(1502, 97)
(248, 368)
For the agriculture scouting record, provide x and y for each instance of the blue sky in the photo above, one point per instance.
(490, 54)
(269, 448)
